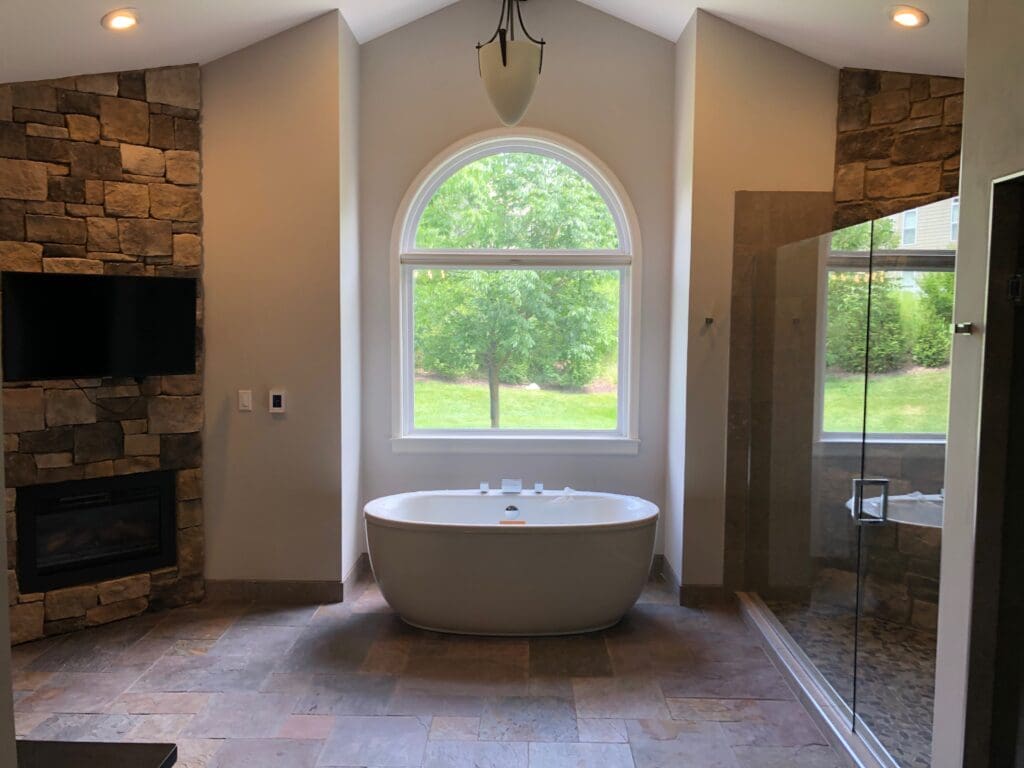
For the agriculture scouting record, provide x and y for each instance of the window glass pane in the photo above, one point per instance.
(517, 201)
(516, 348)
(910, 228)
(908, 386)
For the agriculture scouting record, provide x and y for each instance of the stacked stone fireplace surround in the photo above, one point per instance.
(100, 174)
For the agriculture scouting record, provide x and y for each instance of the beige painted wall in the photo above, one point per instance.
(351, 342)
(274, 207)
(606, 85)
(993, 148)
(763, 119)
(685, 102)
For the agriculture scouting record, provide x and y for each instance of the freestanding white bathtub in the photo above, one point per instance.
(558, 562)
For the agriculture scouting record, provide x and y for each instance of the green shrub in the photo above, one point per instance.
(937, 291)
(847, 318)
(932, 342)
(932, 337)
(889, 345)
(847, 313)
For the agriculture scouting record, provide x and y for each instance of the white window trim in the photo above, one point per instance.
(405, 256)
(836, 438)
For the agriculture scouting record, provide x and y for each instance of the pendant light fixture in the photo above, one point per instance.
(509, 66)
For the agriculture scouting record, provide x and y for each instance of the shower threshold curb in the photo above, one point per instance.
(861, 750)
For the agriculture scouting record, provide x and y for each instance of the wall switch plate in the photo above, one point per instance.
(245, 400)
(277, 402)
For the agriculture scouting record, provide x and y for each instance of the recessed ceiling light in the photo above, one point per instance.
(909, 16)
(121, 19)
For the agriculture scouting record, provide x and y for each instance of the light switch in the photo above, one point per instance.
(245, 400)
(276, 402)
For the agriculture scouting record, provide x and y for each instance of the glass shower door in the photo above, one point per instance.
(811, 309)
(897, 502)
(848, 394)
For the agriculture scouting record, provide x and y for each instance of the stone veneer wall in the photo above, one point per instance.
(898, 143)
(100, 174)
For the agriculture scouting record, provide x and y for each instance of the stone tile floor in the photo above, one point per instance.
(254, 686)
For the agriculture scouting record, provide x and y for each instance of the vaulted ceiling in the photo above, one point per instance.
(49, 38)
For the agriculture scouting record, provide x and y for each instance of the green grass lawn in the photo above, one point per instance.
(900, 402)
(897, 402)
(451, 405)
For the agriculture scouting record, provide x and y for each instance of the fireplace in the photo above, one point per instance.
(90, 530)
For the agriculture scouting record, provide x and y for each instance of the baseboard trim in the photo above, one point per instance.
(859, 750)
(662, 567)
(701, 595)
(288, 592)
(350, 588)
(658, 567)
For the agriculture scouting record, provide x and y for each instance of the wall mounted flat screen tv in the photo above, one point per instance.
(93, 326)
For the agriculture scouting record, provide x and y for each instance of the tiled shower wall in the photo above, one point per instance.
(764, 222)
(100, 174)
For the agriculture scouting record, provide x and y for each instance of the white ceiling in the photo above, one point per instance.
(50, 38)
(844, 33)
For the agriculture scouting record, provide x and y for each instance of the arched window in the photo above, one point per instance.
(517, 296)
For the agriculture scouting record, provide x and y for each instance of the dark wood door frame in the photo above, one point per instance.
(994, 731)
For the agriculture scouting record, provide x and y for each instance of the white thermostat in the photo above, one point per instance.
(277, 403)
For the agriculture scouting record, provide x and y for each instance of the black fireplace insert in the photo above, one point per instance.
(90, 530)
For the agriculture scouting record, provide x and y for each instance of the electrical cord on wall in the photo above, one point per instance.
(114, 412)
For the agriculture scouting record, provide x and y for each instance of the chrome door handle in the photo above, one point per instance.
(858, 514)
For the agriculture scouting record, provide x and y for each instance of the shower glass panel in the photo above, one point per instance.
(807, 572)
(906, 413)
(849, 403)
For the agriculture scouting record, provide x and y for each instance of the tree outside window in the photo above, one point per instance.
(516, 300)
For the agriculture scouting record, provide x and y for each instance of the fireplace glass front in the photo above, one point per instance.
(84, 531)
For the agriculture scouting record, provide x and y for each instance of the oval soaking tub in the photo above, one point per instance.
(494, 563)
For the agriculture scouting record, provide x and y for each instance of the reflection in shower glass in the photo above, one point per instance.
(851, 381)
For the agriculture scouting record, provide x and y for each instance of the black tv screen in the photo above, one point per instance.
(94, 326)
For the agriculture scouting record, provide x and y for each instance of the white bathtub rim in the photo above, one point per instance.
(376, 518)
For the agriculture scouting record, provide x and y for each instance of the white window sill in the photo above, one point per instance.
(841, 444)
(515, 444)
(882, 439)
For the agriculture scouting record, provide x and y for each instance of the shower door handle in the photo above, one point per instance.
(860, 517)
